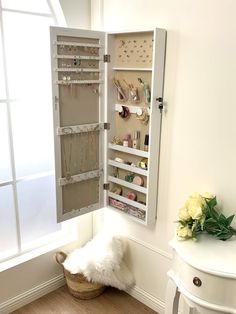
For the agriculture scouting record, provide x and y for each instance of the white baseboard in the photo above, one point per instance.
(55, 283)
(31, 295)
(148, 299)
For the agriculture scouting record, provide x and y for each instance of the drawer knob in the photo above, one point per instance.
(197, 281)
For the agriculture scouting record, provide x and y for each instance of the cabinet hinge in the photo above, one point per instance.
(106, 186)
(107, 58)
(107, 126)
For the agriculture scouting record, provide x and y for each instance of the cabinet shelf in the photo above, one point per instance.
(128, 150)
(131, 186)
(131, 69)
(127, 201)
(127, 167)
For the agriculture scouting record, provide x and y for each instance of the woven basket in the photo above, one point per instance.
(77, 284)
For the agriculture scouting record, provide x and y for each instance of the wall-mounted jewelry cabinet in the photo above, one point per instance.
(106, 88)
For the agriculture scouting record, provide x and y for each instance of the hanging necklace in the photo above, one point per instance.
(67, 161)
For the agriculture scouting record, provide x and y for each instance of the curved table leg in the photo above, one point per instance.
(172, 298)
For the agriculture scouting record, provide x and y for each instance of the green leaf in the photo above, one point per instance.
(223, 220)
(213, 213)
(230, 219)
(212, 202)
(225, 237)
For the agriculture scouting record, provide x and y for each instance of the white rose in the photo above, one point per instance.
(194, 205)
(184, 214)
(195, 212)
(208, 195)
(184, 232)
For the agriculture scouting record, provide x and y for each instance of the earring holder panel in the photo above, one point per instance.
(133, 50)
(76, 42)
(77, 70)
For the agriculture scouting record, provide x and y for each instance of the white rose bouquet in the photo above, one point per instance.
(200, 215)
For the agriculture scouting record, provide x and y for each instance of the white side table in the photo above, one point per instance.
(204, 273)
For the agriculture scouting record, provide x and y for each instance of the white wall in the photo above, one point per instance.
(198, 149)
(77, 13)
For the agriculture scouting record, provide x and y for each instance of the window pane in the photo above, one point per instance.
(2, 81)
(8, 235)
(27, 5)
(30, 84)
(5, 165)
(28, 56)
(37, 208)
(32, 137)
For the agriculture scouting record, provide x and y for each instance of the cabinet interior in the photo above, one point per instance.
(93, 168)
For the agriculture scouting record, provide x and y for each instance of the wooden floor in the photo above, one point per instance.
(112, 301)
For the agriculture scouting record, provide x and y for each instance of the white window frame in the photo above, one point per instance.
(68, 231)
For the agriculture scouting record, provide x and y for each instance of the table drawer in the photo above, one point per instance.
(211, 288)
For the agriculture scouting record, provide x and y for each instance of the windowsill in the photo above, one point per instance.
(25, 257)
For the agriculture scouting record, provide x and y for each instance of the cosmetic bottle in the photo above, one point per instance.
(127, 140)
(136, 140)
(146, 142)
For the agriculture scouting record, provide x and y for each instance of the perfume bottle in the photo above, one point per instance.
(136, 140)
(127, 140)
(146, 142)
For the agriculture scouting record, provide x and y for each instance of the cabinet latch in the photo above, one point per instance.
(160, 103)
(107, 58)
(106, 186)
(107, 126)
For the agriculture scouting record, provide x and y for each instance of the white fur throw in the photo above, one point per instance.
(101, 261)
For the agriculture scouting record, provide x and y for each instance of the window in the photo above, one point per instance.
(27, 188)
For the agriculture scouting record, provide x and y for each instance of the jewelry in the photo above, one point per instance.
(138, 180)
(133, 92)
(125, 113)
(117, 190)
(122, 43)
(143, 163)
(132, 196)
(67, 161)
(146, 90)
(129, 178)
(120, 93)
(120, 160)
(116, 140)
(142, 115)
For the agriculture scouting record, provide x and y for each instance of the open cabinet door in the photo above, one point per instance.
(78, 108)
